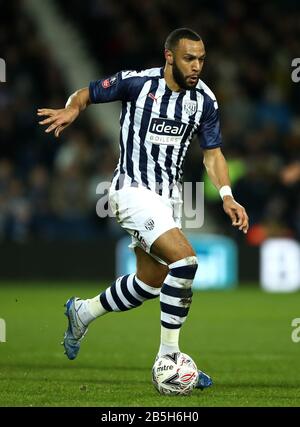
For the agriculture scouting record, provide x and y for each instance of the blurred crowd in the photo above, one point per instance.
(47, 188)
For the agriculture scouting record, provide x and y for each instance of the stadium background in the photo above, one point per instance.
(48, 223)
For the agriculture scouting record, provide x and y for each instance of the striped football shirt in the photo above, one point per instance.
(156, 127)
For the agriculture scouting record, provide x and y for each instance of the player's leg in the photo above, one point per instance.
(131, 290)
(149, 270)
(127, 292)
(172, 246)
(131, 207)
(176, 292)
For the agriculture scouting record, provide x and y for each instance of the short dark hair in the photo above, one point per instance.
(178, 34)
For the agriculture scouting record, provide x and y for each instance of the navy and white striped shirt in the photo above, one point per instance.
(157, 126)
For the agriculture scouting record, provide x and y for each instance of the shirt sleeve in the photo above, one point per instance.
(119, 87)
(209, 131)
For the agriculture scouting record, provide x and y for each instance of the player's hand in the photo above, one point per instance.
(237, 213)
(57, 119)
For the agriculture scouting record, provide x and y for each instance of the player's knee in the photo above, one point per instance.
(185, 270)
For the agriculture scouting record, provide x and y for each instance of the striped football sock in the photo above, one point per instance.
(175, 300)
(125, 293)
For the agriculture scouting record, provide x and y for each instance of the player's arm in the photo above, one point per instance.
(217, 170)
(58, 120)
(123, 86)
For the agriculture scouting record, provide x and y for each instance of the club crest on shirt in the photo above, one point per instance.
(190, 107)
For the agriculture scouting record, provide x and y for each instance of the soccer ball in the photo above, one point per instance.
(174, 374)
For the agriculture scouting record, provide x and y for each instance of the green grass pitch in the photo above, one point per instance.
(242, 338)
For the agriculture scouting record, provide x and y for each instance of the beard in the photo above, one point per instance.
(180, 79)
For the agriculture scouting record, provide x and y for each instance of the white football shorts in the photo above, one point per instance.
(144, 214)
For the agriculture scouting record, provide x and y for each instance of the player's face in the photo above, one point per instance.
(188, 60)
